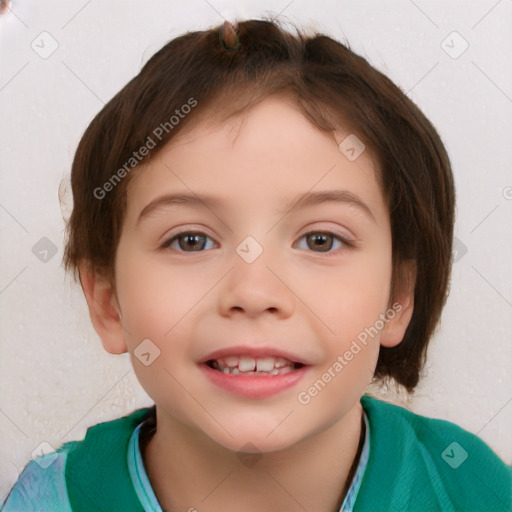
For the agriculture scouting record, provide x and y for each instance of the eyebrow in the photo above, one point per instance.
(304, 200)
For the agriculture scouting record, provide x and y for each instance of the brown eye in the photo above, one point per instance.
(193, 240)
(321, 241)
(324, 241)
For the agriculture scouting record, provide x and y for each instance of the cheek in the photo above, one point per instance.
(349, 297)
(155, 295)
(154, 303)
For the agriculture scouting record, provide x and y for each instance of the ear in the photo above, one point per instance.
(103, 309)
(402, 304)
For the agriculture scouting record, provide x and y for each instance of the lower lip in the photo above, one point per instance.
(254, 386)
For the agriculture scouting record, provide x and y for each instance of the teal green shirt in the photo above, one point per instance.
(409, 463)
(42, 484)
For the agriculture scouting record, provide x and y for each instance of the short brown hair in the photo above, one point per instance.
(330, 85)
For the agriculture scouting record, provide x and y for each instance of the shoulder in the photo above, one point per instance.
(42, 485)
(423, 463)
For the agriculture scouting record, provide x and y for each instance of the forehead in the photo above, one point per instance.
(275, 123)
(270, 151)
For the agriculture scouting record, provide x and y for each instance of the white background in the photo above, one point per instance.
(56, 379)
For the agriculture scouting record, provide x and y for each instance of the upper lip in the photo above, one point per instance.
(255, 352)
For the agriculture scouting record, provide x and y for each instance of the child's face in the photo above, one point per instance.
(306, 298)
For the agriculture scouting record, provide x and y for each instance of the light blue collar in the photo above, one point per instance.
(148, 499)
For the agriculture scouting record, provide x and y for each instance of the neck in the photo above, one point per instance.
(187, 470)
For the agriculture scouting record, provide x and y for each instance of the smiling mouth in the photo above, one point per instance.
(246, 365)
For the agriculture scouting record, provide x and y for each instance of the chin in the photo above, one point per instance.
(251, 437)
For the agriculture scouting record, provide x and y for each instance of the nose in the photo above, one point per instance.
(256, 288)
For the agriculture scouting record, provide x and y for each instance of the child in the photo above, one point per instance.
(318, 202)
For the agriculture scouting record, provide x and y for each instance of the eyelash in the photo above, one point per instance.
(346, 244)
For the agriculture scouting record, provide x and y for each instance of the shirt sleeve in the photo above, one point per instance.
(40, 487)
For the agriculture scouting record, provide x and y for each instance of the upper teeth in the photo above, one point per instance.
(251, 364)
